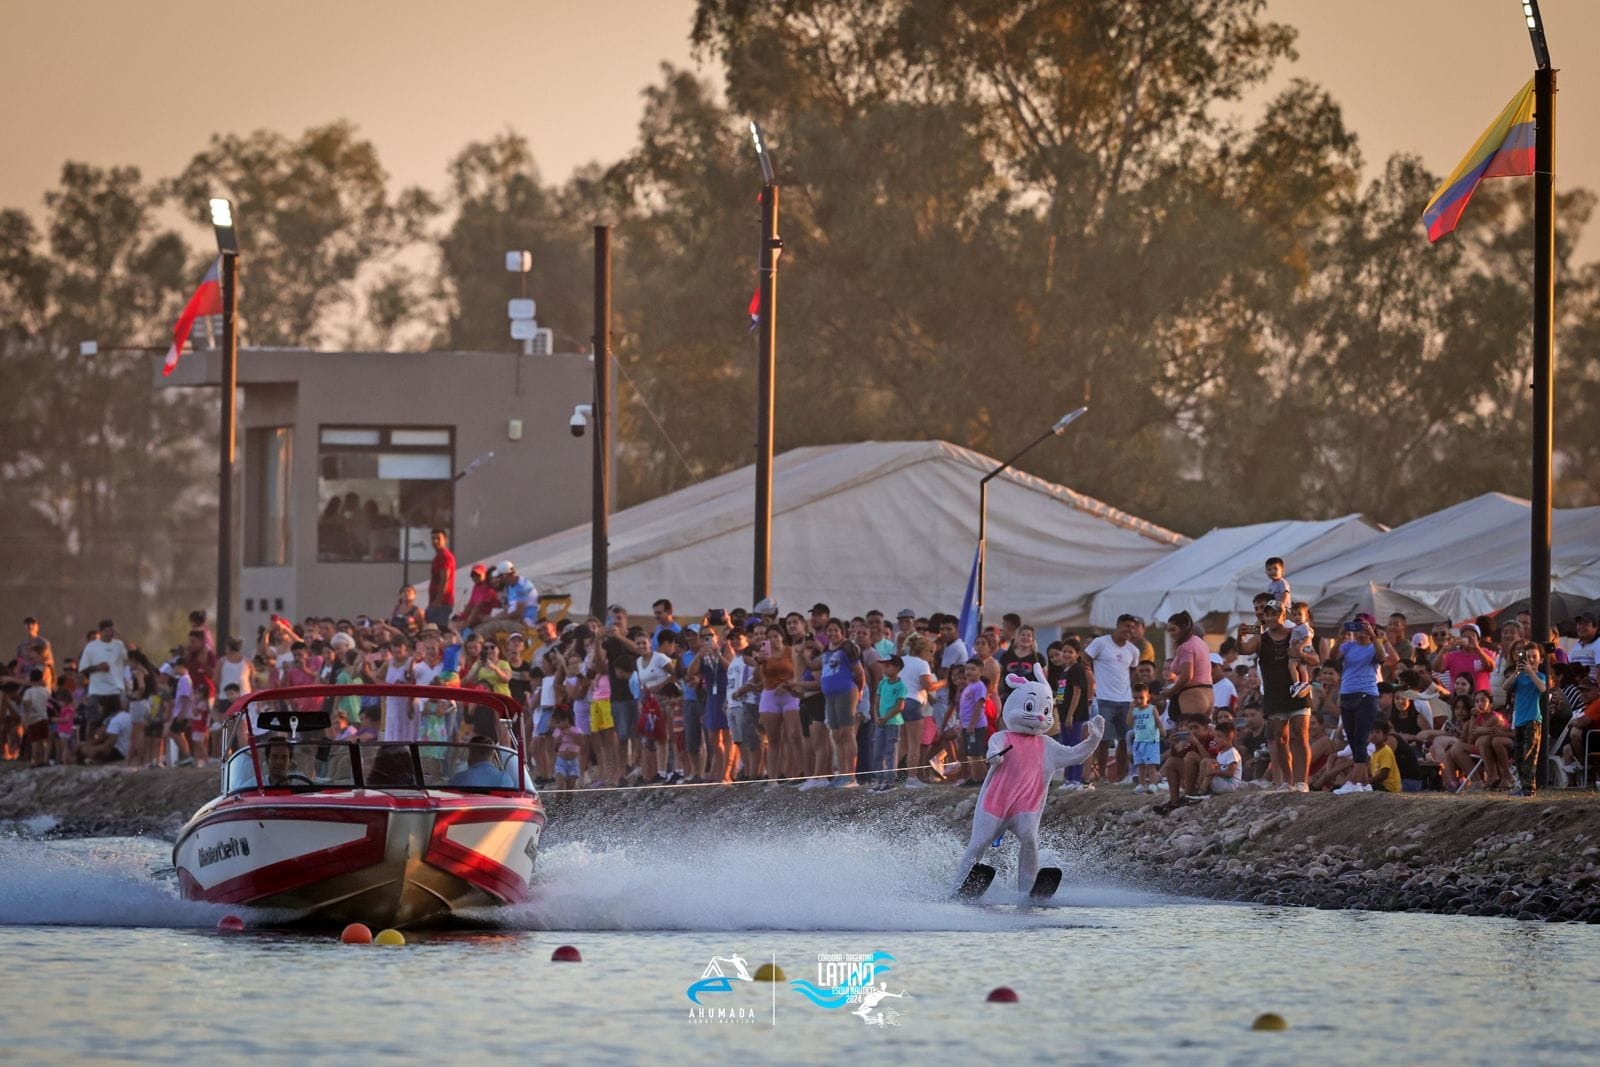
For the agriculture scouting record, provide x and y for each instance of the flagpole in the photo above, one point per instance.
(1544, 235)
(766, 399)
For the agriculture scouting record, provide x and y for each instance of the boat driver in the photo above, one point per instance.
(481, 770)
(279, 763)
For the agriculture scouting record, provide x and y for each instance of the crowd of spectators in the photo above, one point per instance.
(870, 701)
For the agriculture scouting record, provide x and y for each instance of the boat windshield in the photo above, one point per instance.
(373, 737)
(306, 764)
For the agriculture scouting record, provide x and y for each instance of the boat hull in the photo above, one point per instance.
(386, 859)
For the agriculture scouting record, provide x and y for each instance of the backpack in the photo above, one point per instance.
(652, 723)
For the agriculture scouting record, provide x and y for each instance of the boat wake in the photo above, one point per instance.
(878, 878)
(848, 878)
(111, 881)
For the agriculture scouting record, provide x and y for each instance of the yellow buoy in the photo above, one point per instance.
(770, 972)
(389, 937)
(1269, 1021)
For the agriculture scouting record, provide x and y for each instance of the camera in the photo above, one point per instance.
(580, 418)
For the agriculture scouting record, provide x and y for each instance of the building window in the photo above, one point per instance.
(376, 483)
(269, 453)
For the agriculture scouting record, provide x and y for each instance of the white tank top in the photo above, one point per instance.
(230, 673)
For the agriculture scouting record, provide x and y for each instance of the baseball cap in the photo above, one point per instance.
(1468, 627)
(905, 613)
(1216, 658)
(479, 570)
(820, 608)
(766, 606)
(507, 567)
(516, 635)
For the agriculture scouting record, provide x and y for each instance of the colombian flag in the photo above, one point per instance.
(1504, 151)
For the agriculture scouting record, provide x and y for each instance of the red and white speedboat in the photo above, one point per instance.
(387, 833)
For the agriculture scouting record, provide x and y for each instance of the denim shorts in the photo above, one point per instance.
(911, 710)
(840, 710)
(1115, 713)
(567, 766)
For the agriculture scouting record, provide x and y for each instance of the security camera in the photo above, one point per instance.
(580, 418)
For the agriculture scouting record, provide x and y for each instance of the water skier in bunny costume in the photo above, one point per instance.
(1013, 793)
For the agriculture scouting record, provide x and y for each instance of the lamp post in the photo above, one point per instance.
(1056, 430)
(600, 524)
(228, 249)
(766, 369)
(1544, 294)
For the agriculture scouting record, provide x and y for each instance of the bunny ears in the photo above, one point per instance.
(1017, 681)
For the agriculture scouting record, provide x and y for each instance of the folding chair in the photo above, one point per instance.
(1477, 770)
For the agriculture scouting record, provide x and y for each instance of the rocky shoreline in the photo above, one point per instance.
(1535, 859)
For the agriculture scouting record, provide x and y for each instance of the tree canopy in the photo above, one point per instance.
(992, 211)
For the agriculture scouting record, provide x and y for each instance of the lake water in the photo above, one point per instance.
(103, 962)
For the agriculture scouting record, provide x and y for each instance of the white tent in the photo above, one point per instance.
(1468, 559)
(1467, 583)
(887, 525)
(1223, 570)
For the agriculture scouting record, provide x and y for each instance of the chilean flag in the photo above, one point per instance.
(207, 300)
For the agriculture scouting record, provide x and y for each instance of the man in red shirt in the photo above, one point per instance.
(441, 581)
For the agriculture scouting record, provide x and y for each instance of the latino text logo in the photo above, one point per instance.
(845, 979)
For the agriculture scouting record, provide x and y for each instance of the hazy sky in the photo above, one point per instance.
(148, 81)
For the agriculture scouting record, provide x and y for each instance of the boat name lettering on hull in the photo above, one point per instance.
(224, 850)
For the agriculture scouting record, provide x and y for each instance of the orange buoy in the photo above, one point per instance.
(1003, 994)
(566, 954)
(357, 934)
(230, 924)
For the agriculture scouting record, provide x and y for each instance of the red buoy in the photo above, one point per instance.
(566, 954)
(230, 924)
(357, 934)
(1003, 994)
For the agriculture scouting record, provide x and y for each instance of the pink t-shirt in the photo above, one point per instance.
(1462, 662)
(1194, 653)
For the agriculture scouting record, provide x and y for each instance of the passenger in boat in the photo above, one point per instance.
(481, 770)
(391, 768)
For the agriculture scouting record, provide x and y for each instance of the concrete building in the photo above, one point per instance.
(348, 459)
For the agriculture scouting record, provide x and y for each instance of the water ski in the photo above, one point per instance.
(1045, 884)
(977, 883)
